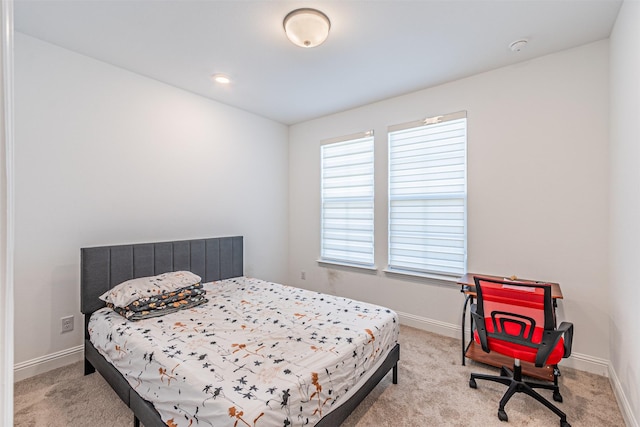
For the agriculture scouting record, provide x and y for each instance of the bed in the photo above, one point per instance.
(219, 262)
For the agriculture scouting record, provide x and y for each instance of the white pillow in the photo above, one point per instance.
(127, 292)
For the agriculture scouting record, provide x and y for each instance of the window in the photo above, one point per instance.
(428, 196)
(347, 200)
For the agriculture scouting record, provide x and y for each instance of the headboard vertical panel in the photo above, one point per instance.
(163, 258)
(198, 254)
(238, 255)
(104, 267)
(121, 265)
(226, 257)
(181, 256)
(143, 260)
(230, 253)
(212, 266)
(94, 277)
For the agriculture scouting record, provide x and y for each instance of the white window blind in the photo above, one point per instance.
(347, 200)
(428, 196)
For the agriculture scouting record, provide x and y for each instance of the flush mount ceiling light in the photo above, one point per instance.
(306, 27)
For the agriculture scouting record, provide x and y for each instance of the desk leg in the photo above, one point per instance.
(467, 301)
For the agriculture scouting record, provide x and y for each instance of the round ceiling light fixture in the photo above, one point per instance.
(306, 27)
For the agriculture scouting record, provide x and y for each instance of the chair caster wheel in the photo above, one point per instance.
(472, 383)
(564, 424)
(502, 415)
(557, 397)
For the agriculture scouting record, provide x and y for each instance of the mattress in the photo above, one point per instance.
(256, 354)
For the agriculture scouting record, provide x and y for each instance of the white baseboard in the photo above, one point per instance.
(584, 362)
(430, 325)
(625, 407)
(47, 362)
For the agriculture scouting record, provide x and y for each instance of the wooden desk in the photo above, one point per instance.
(474, 351)
(467, 281)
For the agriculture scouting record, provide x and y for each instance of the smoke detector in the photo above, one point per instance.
(518, 45)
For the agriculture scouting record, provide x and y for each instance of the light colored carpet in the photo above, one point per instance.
(432, 390)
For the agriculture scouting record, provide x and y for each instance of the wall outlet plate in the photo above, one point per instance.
(67, 324)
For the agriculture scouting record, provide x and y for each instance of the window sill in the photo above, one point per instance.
(360, 267)
(432, 277)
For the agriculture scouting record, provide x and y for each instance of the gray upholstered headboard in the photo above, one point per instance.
(104, 267)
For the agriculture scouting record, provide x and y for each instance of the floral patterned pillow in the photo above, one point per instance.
(145, 287)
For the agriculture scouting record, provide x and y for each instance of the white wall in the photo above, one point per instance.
(105, 156)
(537, 191)
(625, 207)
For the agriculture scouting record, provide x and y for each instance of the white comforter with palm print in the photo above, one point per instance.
(257, 354)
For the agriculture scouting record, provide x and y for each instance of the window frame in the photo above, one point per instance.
(393, 266)
(325, 258)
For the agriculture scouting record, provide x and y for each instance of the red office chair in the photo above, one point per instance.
(517, 319)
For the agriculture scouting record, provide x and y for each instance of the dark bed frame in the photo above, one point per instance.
(218, 258)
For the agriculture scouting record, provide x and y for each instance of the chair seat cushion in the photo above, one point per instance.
(522, 352)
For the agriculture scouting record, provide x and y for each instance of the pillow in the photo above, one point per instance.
(131, 290)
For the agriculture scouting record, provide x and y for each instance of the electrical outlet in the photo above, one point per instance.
(303, 275)
(67, 324)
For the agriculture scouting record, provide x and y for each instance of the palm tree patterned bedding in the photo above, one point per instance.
(256, 354)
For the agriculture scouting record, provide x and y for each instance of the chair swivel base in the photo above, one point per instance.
(513, 379)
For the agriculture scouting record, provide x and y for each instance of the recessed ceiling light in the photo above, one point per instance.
(223, 79)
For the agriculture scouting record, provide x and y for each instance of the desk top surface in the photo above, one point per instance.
(468, 282)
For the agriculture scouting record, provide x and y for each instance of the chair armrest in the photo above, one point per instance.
(550, 340)
(478, 322)
(567, 330)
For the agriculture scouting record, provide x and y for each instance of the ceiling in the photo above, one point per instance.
(376, 49)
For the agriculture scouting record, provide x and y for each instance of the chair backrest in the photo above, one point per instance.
(513, 310)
